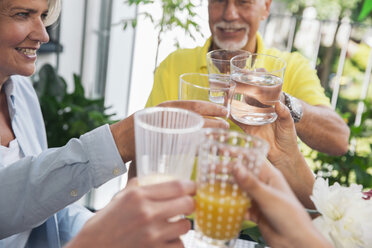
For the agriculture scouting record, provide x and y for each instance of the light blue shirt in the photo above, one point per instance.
(47, 180)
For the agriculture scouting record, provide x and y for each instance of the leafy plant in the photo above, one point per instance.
(356, 165)
(175, 13)
(67, 115)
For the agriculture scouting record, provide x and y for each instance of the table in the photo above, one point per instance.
(189, 241)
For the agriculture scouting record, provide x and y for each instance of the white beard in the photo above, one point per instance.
(230, 45)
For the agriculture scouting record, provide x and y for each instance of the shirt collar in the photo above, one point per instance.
(260, 44)
(10, 94)
(203, 54)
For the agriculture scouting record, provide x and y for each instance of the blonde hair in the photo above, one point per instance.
(54, 9)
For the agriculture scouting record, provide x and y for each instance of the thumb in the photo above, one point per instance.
(282, 111)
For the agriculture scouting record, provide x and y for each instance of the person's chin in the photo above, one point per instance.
(27, 71)
(230, 44)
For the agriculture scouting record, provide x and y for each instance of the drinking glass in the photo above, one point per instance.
(220, 204)
(218, 61)
(211, 88)
(259, 79)
(166, 142)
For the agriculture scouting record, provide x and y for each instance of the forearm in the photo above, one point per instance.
(34, 188)
(311, 238)
(323, 129)
(298, 175)
(123, 133)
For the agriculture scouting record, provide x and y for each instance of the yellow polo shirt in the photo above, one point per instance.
(300, 79)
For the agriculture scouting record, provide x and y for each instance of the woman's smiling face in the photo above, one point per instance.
(22, 32)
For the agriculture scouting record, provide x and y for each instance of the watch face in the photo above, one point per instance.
(296, 106)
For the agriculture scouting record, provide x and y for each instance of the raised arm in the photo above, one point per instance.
(323, 129)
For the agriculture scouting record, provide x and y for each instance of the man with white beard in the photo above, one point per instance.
(234, 25)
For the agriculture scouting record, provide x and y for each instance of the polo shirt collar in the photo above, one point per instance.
(203, 54)
(260, 44)
(10, 94)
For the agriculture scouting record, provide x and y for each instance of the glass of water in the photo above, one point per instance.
(218, 61)
(259, 79)
(213, 88)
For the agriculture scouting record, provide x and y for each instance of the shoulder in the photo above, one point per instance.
(186, 59)
(292, 58)
(182, 55)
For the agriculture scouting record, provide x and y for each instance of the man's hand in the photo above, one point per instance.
(284, 153)
(123, 131)
(206, 109)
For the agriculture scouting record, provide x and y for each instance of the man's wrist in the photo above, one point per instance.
(294, 106)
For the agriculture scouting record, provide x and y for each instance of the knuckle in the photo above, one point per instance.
(189, 204)
(146, 213)
(151, 235)
(136, 196)
(178, 188)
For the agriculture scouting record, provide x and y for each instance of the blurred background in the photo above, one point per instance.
(99, 64)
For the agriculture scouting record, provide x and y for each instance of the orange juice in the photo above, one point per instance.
(220, 209)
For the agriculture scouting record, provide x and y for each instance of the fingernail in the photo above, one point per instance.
(189, 184)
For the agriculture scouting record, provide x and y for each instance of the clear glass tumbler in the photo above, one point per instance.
(211, 88)
(218, 61)
(259, 79)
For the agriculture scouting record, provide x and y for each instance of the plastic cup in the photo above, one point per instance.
(166, 142)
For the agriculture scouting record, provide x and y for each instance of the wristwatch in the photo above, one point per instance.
(294, 106)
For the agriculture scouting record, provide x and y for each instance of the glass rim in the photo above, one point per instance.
(139, 122)
(263, 144)
(237, 58)
(228, 86)
(220, 50)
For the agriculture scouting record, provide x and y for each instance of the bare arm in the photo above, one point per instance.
(322, 129)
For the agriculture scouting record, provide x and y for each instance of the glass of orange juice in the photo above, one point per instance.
(220, 204)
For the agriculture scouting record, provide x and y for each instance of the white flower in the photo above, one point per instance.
(346, 218)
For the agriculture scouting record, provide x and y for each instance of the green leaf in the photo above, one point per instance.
(366, 9)
(79, 90)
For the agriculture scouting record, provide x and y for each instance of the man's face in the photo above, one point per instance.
(234, 23)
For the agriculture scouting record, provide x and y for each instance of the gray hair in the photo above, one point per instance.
(54, 9)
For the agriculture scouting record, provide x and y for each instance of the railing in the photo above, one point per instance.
(290, 29)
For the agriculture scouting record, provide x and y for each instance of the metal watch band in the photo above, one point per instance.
(294, 106)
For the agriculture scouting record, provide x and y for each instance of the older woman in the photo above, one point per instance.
(36, 182)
